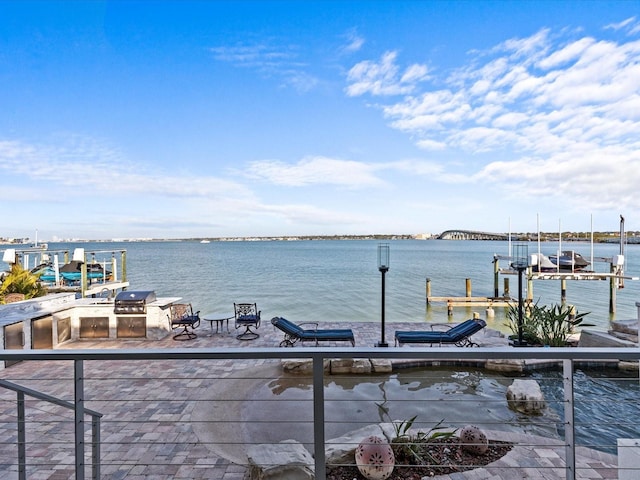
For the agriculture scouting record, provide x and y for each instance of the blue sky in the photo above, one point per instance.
(211, 119)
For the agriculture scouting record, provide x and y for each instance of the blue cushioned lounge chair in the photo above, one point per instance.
(294, 333)
(460, 335)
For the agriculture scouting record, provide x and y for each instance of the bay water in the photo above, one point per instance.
(339, 281)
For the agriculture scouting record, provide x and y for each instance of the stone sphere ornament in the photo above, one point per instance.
(375, 459)
(474, 440)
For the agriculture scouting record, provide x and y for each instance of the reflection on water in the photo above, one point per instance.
(454, 396)
(606, 405)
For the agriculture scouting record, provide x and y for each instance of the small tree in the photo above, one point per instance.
(19, 280)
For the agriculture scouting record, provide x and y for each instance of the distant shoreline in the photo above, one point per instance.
(599, 237)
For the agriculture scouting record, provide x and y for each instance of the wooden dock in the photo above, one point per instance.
(468, 300)
(615, 276)
(472, 301)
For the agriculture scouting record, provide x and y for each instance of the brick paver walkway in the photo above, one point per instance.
(153, 416)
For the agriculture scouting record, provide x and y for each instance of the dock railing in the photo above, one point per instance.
(182, 412)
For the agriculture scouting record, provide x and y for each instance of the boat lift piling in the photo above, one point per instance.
(615, 277)
(84, 286)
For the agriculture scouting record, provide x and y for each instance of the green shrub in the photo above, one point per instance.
(19, 280)
(544, 325)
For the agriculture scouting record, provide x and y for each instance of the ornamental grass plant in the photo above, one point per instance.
(546, 325)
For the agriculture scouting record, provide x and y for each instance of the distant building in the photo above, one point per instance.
(423, 236)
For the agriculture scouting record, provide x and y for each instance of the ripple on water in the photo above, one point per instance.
(452, 397)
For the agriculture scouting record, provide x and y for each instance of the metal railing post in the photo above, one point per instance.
(95, 447)
(22, 439)
(78, 381)
(569, 420)
(22, 427)
(318, 417)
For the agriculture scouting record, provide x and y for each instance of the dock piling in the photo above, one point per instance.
(428, 289)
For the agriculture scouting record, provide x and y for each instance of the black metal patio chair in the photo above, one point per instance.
(247, 316)
(184, 321)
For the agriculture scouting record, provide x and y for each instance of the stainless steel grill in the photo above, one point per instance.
(133, 302)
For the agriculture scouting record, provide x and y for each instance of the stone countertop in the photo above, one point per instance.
(43, 306)
(35, 308)
(109, 302)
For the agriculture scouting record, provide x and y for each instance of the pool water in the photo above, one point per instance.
(451, 397)
(607, 405)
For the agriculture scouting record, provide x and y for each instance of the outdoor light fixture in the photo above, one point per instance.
(383, 266)
(520, 263)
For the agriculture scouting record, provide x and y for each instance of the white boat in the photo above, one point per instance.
(542, 263)
(38, 246)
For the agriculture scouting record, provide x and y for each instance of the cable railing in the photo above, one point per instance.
(204, 413)
(77, 407)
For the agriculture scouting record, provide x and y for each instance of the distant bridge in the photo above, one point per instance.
(471, 235)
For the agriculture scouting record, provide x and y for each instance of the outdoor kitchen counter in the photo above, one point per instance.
(162, 302)
(153, 324)
(45, 322)
(35, 308)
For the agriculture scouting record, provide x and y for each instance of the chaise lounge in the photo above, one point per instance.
(294, 333)
(460, 335)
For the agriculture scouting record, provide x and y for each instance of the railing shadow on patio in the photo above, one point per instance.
(192, 413)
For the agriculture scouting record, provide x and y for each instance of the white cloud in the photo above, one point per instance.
(354, 42)
(268, 61)
(510, 119)
(431, 145)
(315, 171)
(528, 49)
(415, 73)
(566, 54)
(384, 77)
(301, 81)
(551, 108)
(417, 167)
(311, 215)
(629, 22)
(82, 166)
(253, 55)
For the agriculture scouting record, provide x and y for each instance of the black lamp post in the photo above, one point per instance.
(383, 266)
(520, 263)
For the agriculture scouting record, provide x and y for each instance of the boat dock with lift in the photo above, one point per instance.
(615, 276)
(94, 273)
